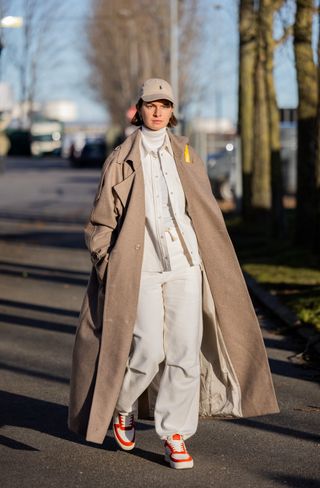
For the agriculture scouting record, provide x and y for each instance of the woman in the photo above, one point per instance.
(166, 305)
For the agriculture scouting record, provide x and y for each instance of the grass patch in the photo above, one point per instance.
(291, 273)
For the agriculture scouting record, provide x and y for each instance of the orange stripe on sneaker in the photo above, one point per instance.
(125, 443)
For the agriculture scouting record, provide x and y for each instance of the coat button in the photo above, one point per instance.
(137, 247)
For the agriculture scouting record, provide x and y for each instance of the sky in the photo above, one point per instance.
(66, 78)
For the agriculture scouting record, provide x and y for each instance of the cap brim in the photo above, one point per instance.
(156, 96)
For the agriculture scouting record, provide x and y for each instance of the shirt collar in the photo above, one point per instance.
(147, 150)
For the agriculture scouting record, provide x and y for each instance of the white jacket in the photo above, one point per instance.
(167, 222)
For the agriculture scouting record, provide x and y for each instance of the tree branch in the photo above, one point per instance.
(288, 31)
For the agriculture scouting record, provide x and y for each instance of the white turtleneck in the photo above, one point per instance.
(152, 142)
(154, 139)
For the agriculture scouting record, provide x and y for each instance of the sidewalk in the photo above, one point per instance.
(41, 289)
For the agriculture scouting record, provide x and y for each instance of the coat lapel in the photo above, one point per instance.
(130, 153)
(123, 188)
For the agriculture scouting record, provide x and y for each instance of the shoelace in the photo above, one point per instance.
(177, 445)
(126, 421)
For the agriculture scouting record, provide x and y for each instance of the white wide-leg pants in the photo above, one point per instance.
(168, 328)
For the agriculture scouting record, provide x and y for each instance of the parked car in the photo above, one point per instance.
(92, 154)
(46, 137)
(221, 171)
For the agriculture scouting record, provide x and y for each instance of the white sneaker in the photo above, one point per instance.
(124, 430)
(176, 452)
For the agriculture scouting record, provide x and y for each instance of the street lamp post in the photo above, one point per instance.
(174, 45)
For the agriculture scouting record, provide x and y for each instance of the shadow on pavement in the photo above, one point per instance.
(31, 413)
(36, 217)
(68, 239)
(37, 323)
(38, 308)
(285, 368)
(43, 273)
(154, 457)
(294, 481)
(33, 373)
(19, 314)
(13, 444)
(282, 342)
(51, 418)
(277, 429)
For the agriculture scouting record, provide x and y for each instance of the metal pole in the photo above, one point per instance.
(174, 47)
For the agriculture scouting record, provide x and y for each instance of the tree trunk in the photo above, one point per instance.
(307, 112)
(247, 55)
(261, 178)
(269, 8)
(317, 160)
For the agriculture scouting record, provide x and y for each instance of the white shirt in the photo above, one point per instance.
(166, 217)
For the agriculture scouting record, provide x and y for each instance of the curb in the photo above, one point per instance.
(292, 321)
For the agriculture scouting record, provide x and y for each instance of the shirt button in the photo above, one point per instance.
(137, 247)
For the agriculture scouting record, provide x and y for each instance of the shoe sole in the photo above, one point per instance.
(180, 464)
(123, 447)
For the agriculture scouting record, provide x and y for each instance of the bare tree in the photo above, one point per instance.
(129, 42)
(261, 177)
(247, 56)
(269, 8)
(258, 111)
(39, 50)
(307, 113)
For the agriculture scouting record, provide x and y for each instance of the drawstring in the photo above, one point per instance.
(176, 443)
(172, 232)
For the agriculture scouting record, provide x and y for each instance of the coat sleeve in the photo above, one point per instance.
(99, 231)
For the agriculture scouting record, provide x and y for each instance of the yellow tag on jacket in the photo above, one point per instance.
(187, 158)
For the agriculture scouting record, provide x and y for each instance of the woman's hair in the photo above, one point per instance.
(137, 119)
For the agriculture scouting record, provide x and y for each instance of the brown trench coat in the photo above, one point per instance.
(235, 376)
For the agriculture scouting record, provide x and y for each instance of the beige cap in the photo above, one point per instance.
(156, 89)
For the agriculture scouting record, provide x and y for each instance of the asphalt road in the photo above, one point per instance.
(43, 273)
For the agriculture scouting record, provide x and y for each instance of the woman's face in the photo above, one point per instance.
(156, 115)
